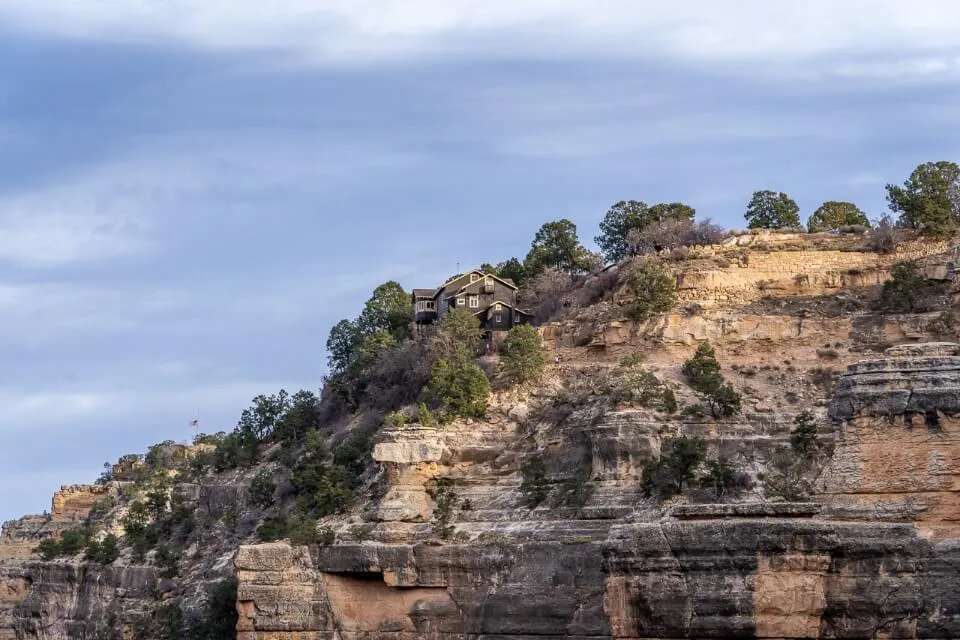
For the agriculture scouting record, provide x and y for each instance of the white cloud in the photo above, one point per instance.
(705, 31)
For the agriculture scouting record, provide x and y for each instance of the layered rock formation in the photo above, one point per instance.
(874, 554)
(874, 557)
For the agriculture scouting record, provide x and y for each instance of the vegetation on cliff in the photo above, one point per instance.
(294, 459)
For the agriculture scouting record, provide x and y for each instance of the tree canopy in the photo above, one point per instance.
(556, 244)
(384, 321)
(929, 199)
(521, 355)
(630, 215)
(772, 210)
(388, 309)
(834, 214)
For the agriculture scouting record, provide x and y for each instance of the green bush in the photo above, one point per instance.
(678, 463)
(459, 387)
(70, 543)
(219, 618)
(321, 487)
(105, 551)
(907, 290)
(786, 476)
(272, 529)
(803, 437)
(669, 400)
(262, 487)
(654, 290)
(703, 374)
(445, 504)
(522, 358)
(424, 416)
(722, 478)
(303, 530)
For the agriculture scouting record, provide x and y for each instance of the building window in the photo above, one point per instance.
(474, 277)
(474, 302)
(460, 301)
(498, 317)
(430, 305)
(419, 305)
(498, 307)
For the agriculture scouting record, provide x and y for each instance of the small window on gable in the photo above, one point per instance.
(474, 302)
(498, 317)
(474, 277)
(498, 307)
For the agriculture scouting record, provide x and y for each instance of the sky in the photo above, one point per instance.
(192, 193)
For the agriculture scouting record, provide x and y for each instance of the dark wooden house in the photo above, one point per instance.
(491, 298)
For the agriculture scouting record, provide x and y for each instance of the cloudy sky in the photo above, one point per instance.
(192, 193)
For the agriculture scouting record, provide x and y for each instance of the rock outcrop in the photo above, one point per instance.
(874, 557)
(874, 552)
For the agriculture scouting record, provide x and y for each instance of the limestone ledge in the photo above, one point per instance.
(717, 578)
(802, 272)
(901, 384)
(72, 503)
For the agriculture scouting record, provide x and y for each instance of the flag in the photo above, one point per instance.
(194, 423)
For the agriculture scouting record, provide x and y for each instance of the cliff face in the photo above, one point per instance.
(873, 552)
(875, 556)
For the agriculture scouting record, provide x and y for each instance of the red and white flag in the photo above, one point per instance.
(194, 423)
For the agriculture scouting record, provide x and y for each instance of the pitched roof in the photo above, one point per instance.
(483, 274)
(506, 304)
(423, 293)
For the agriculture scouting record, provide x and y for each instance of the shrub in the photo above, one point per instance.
(522, 358)
(272, 529)
(635, 359)
(546, 293)
(703, 374)
(678, 463)
(303, 530)
(837, 215)
(320, 486)
(669, 400)
(785, 476)
(882, 238)
(702, 368)
(720, 476)
(445, 502)
(534, 486)
(654, 290)
(425, 417)
(219, 617)
(906, 290)
(459, 386)
(803, 437)
(674, 234)
(105, 551)
(458, 332)
(262, 487)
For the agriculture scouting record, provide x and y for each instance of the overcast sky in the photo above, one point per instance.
(192, 193)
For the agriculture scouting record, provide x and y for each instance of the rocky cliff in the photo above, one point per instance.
(875, 555)
(445, 541)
